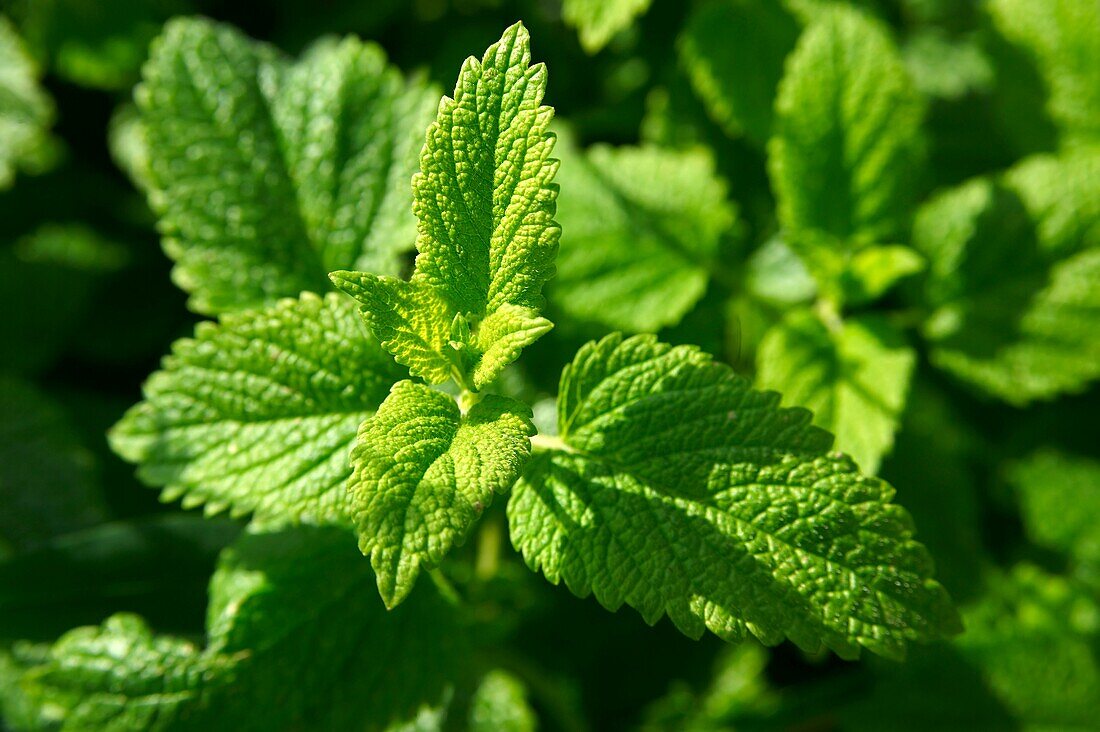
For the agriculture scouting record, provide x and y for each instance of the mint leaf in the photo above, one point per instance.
(853, 376)
(737, 80)
(1026, 661)
(1060, 497)
(1060, 37)
(500, 704)
(298, 607)
(26, 111)
(873, 271)
(598, 21)
(423, 474)
(681, 491)
(1014, 278)
(292, 616)
(487, 238)
(643, 227)
(259, 412)
(847, 141)
(120, 676)
(268, 175)
(48, 480)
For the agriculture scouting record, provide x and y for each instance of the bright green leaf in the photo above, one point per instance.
(259, 413)
(733, 52)
(268, 175)
(642, 231)
(679, 490)
(845, 152)
(854, 378)
(599, 20)
(487, 237)
(423, 474)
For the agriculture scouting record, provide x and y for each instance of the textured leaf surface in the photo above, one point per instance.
(1060, 37)
(1014, 278)
(26, 111)
(733, 51)
(642, 230)
(423, 474)
(48, 480)
(597, 21)
(121, 676)
(846, 142)
(1060, 500)
(268, 174)
(853, 378)
(681, 491)
(485, 205)
(259, 412)
(293, 616)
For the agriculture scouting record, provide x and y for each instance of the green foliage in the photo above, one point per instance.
(679, 490)
(290, 611)
(846, 144)
(1059, 37)
(598, 21)
(487, 238)
(1060, 497)
(644, 227)
(258, 412)
(737, 80)
(48, 482)
(854, 376)
(266, 174)
(26, 111)
(1014, 279)
(888, 211)
(424, 472)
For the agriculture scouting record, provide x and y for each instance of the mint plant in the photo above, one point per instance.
(563, 400)
(671, 485)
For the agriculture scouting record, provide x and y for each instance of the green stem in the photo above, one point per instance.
(446, 589)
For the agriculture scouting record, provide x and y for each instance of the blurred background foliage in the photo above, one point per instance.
(940, 353)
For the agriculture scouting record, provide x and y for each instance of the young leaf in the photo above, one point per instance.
(599, 20)
(737, 79)
(643, 227)
(258, 413)
(846, 146)
(268, 175)
(1061, 37)
(487, 237)
(26, 111)
(1014, 278)
(854, 378)
(681, 491)
(423, 474)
